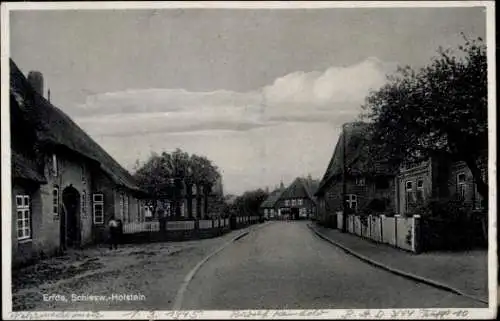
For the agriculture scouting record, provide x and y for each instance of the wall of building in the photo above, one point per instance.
(25, 250)
(440, 182)
(102, 184)
(422, 172)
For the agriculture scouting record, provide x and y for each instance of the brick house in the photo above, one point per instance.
(297, 201)
(65, 187)
(365, 179)
(438, 178)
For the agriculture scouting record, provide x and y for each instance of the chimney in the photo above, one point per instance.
(281, 185)
(35, 78)
(48, 95)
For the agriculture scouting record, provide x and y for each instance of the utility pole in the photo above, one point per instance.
(344, 207)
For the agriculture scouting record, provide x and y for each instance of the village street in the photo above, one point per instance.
(277, 265)
(283, 265)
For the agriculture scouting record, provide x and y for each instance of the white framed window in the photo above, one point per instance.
(420, 190)
(54, 165)
(23, 217)
(287, 202)
(294, 202)
(360, 181)
(55, 201)
(352, 201)
(148, 211)
(83, 203)
(300, 202)
(461, 186)
(98, 208)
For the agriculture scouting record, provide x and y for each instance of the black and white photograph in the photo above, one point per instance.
(274, 160)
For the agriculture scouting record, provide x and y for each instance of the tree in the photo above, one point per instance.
(170, 177)
(438, 110)
(249, 203)
(154, 176)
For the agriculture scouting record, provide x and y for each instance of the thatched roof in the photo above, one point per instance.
(358, 157)
(53, 127)
(270, 201)
(24, 168)
(300, 188)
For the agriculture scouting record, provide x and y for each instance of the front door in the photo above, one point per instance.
(70, 222)
(295, 213)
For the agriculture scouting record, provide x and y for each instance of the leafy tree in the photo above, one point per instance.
(249, 203)
(169, 177)
(438, 110)
(155, 177)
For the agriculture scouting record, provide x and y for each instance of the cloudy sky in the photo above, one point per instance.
(263, 93)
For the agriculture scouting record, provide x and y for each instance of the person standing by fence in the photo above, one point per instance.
(113, 226)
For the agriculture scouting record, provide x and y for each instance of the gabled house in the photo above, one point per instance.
(297, 201)
(269, 208)
(367, 182)
(65, 187)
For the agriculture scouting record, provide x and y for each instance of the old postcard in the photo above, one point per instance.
(249, 160)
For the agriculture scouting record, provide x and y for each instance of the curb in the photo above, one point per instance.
(180, 293)
(397, 271)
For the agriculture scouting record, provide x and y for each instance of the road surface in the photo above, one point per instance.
(283, 265)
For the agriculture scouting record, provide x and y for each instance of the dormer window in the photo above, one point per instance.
(360, 181)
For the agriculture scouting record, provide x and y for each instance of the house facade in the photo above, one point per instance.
(438, 178)
(65, 187)
(269, 208)
(368, 184)
(297, 201)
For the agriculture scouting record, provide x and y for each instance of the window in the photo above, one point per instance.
(84, 203)
(409, 195)
(300, 202)
(352, 201)
(287, 202)
(98, 200)
(122, 205)
(461, 186)
(126, 216)
(55, 201)
(54, 165)
(23, 217)
(360, 181)
(148, 212)
(294, 202)
(420, 190)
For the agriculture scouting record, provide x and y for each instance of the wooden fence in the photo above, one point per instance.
(400, 232)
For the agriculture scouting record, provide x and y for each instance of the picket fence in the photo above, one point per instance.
(154, 226)
(397, 231)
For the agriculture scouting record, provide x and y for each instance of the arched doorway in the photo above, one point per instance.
(70, 218)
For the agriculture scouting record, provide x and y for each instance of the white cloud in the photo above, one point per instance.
(336, 85)
(283, 130)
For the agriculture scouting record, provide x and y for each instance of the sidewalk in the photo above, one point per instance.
(465, 272)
